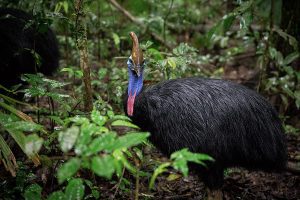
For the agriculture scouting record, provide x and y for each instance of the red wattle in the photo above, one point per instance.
(130, 104)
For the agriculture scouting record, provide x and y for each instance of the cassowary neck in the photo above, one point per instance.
(135, 85)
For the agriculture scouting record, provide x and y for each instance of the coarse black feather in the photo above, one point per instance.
(231, 123)
(19, 38)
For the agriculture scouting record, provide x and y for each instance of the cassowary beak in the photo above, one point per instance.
(137, 70)
(136, 54)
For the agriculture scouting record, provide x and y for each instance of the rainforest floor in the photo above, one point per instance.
(239, 183)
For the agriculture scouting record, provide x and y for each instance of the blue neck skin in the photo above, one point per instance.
(135, 82)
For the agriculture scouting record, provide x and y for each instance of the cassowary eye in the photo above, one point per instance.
(143, 63)
(131, 61)
(134, 73)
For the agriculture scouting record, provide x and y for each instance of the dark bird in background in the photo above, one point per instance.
(231, 123)
(20, 39)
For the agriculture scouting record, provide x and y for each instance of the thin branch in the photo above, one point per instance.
(139, 23)
(166, 18)
(117, 186)
(137, 180)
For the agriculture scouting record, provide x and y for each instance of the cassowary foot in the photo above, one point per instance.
(214, 194)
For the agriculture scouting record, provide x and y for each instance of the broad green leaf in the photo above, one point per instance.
(297, 98)
(138, 152)
(68, 138)
(33, 192)
(291, 130)
(20, 138)
(279, 58)
(121, 117)
(67, 69)
(103, 166)
(85, 137)
(74, 189)
(288, 90)
(78, 120)
(89, 129)
(182, 157)
(98, 118)
(23, 126)
(66, 6)
(213, 31)
(103, 142)
(183, 49)
(72, 72)
(119, 155)
(292, 40)
(56, 119)
(119, 167)
(246, 20)
(130, 139)
(194, 157)
(68, 169)
(34, 92)
(273, 52)
(291, 57)
(78, 74)
(227, 22)
(57, 97)
(148, 44)
(33, 79)
(181, 165)
(159, 170)
(53, 83)
(102, 73)
(95, 193)
(14, 101)
(124, 123)
(155, 54)
(103, 129)
(6, 118)
(171, 61)
(58, 195)
(7, 157)
(33, 144)
(289, 70)
(284, 100)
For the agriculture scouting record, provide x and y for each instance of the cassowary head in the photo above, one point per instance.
(135, 70)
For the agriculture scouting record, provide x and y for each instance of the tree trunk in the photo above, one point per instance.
(81, 42)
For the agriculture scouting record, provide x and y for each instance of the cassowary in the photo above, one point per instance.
(231, 123)
(20, 42)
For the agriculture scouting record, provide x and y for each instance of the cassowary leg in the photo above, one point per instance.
(214, 194)
(213, 178)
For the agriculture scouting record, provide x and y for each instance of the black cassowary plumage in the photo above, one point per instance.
(228, 121)
(18, 37)
(231, 123)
